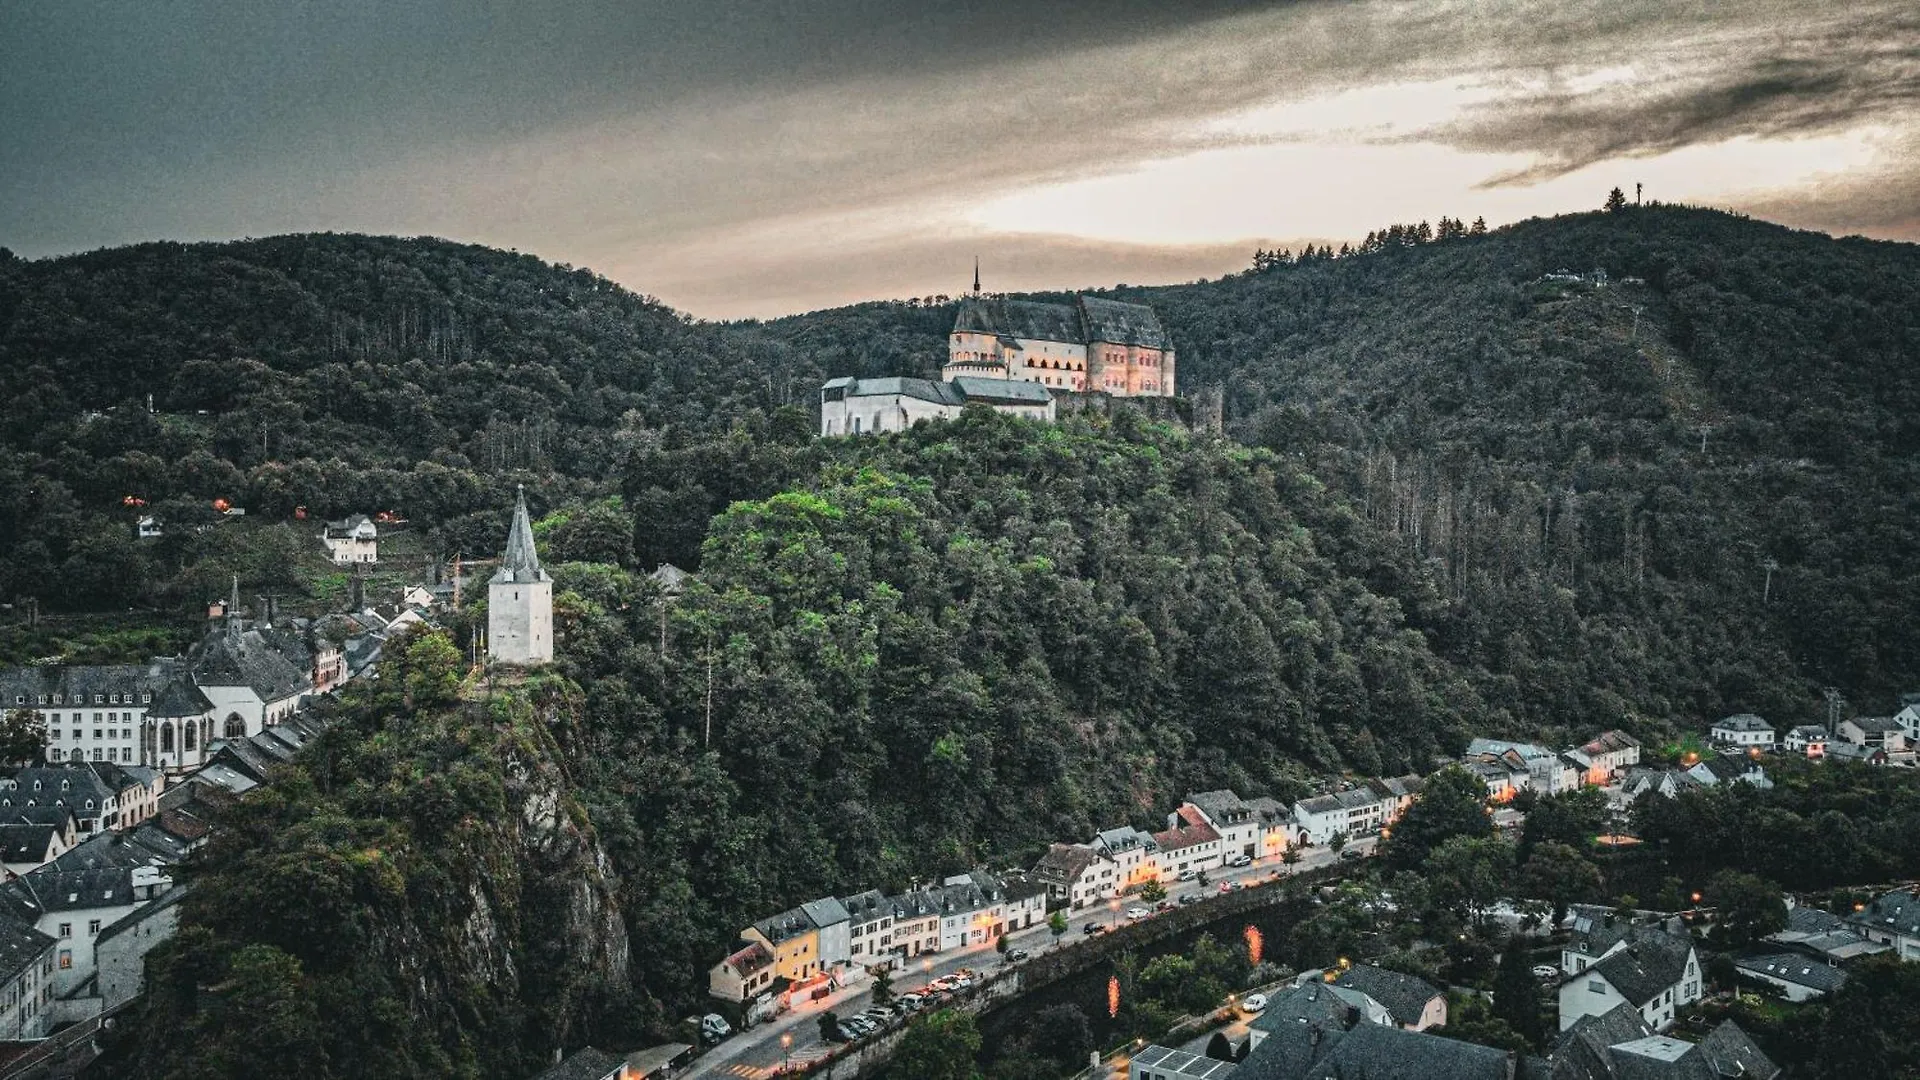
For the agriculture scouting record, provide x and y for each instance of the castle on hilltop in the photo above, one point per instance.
(1091, 345)
(1015, 356)
(520, 598)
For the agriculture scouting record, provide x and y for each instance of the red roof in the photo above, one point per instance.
(1185, 836)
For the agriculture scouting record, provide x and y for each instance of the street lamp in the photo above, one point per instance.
(1113, 905)
(786, 1052)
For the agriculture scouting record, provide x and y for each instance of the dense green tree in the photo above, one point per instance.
(1516, 994)
(1559, 875)
(938, 1046)
(1746, 906)
(1452, 803)
(1467, 874)
(1572, 818)
(23, 736)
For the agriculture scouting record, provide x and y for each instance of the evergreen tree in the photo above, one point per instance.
(1516, 993)
(1616, 201)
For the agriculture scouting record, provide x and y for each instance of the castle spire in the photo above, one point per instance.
(976, 275)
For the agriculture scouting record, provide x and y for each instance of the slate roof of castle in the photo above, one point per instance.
(1086, 320)
(1122, 323)
(1019, 318)
(520, 562)
(1405, 996)
(24, 686)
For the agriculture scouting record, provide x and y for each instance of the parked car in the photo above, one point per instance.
(1138, 913)
(1093, 928)
(1352, 854)
(1253, 1003)
(1187, 875)
(1545, 971)
(1015, 956)
(911, 1000)
(856, 1028)
(1226, 886)
(1242, 859)
(1236, 885)
(1190, 898)
(1164, 905)
(713, 1028)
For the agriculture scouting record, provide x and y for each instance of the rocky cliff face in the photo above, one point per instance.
(421, 895)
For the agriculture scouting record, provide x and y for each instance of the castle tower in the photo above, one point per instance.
(520, 598)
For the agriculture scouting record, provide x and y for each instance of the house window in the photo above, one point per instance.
(1596, 986)
(235, 728)
(93, 926)
(66, 929)
(66, 959)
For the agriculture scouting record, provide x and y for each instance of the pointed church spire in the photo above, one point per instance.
(976, 275)
(520, 562)
(233, 607)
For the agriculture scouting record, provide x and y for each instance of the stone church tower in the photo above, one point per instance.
(520, 599)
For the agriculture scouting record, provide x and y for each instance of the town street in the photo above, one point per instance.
(758, 1053)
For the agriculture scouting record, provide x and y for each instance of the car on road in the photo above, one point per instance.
(1236, 885)
(1093, 928)
(1138, 913)
(1226, 886)
(1187, 875)
(1190, 898)
(1351, 854)
(713, 1028)
(1242, 859)
(1164, 905)
(857, 1028)
(1545, 971)
(1253, 1003)
(1015, 956)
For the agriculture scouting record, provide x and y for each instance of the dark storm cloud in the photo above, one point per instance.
(1788, 81)
(765, 155)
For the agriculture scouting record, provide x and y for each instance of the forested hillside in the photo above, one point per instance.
(1460, 493)
(1686, 491)
(338, 373)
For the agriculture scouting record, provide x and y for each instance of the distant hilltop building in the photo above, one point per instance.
(1088, 346)
(520, 598)
(865, 406)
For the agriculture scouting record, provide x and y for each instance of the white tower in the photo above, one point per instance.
(520, 599)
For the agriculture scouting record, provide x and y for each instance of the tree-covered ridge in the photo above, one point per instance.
(960, 643)
(1600, 475)
(336, 372)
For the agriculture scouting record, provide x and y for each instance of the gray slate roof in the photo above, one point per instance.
(234, 656)
(21, 946)
(1122, 323)
(520, 562)
(1086, 320)
(26, 843)
(1895, 912)
(586, 1063)
(1725, 1052)
(1652, 961)
(1222, 807)
(1745, 721)
(1794, 968)
(1370, 1052)
(1405, 996)
(1001, 391)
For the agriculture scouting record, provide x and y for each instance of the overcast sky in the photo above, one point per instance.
(772, 156)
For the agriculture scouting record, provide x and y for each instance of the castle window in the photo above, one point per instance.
(166, 738)
(236, 728)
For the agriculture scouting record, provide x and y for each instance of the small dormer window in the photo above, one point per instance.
(42, 699)
(96, 699)
(145, 698)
